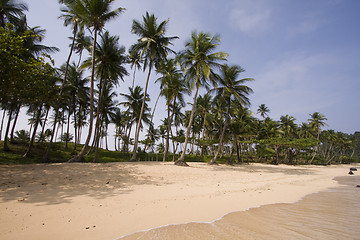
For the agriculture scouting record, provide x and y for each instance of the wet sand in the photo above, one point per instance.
(107, 201)
(333, 214)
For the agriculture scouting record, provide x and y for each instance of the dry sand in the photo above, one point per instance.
(107, 201)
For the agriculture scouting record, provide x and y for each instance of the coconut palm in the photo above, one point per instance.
(316, 121)
(263, 110)
(173, 89)
(11, 11)
(70, 15)
(135, 62)
(109, 68)
(288, 125)
(133, 103)
(153, 47)
(231, 88)
(199, 62)
(204, 105)
(94, 14)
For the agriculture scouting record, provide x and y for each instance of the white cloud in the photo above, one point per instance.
(250, 17)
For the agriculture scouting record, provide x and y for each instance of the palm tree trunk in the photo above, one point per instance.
(80, 156)
(213, 160)
(26, 154)
(6, 147)
(75, 129)
(2, 123)
(44, 124)
(133, 158)
(67, 130)
(14, 123)
(181, 160)
(157, 100)
(97, 124)
(167, 135)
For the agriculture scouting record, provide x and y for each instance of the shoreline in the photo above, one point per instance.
(114, 200)
(327, 190)
(320, 210)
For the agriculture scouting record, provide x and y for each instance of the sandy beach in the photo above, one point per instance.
(108, 201)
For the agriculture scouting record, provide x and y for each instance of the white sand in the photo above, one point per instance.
(107, 201)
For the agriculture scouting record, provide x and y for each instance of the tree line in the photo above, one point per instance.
(219, 123)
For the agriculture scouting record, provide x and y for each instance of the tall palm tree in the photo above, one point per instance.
(153, 47)
(204, 105)
(70, 14)
(109, 67)
(11, 11)
(263, 110)
(173, 88)
(133, 103)
(231, 88)
(200, 62)
(94, 14)
(76, 91)
(135, 62)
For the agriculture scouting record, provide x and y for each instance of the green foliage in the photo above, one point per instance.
(22, 78)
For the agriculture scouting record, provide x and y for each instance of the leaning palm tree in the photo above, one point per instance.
(153, 47)
(231, 89)
(94, 14)
(199, 62)
(11, 11)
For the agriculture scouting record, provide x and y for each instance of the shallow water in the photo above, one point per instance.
(334, 214)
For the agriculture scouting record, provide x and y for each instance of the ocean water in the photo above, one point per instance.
(330, 215)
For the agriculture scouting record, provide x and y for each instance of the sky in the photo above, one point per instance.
(303, 54)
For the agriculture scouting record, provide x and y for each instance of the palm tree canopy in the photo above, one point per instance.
(95, 13)
(109, 59)
(11, 11)
(263, 110)
(71, 15)
(171, 82)
(199, 60)
(152, 44)
(231, 87)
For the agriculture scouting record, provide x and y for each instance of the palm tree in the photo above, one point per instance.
(199, 62)
(135, 62)
(263, 110)
(109, 61)
(70, 14)
(204, 105)
(288, 125)
(94, 14)
(81, 42)
(76, 92)
(231, 88)
(11, 11)
(316, 121)
(133, 103)
(153, 47)
(172, 88)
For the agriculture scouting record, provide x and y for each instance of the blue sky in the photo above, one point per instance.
(303, 54)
